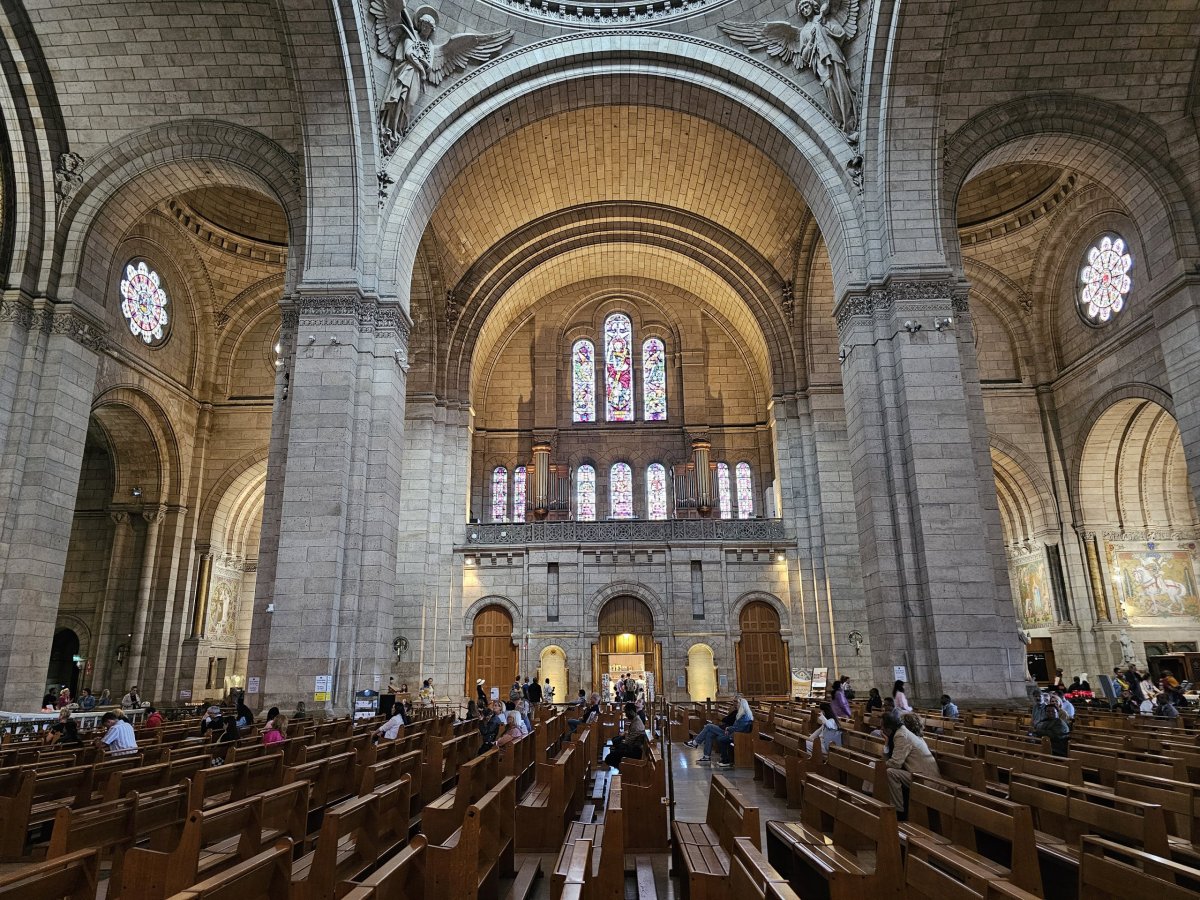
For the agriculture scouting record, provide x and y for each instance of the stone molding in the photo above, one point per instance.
(880, 303)
(604, 13)
(760, 531)
(53, 318)
(367, 314)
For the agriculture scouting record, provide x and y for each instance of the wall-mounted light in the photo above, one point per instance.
(470, 562)
(912, 326)
(270, 607)
(843, 353)
(779, 557)
(137, 492)
(943, 323)
(312, 338)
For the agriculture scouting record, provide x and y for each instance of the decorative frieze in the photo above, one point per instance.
(52, 318)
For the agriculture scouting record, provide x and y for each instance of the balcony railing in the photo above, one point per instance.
(681, 531)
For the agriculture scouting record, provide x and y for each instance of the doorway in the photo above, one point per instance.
(1039, 657)
(492, 655)
(626, 643)
(62, 669)
(761, 655)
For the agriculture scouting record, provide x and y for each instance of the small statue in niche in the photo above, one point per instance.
(418, 61)
(816, 44)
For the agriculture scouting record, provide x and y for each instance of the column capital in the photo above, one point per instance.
(119, 516)
(924, 298)
(51, 317)
(154, 514)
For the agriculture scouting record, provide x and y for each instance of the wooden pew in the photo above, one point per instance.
(607, 839)
(116, 826)
(265, 876)
(700, 850)
(30, 798)
(936, 872)
(643, 787)
(857, 770)
(481, 852)
(152, 778)
(1111, 871)
(73, 876)
(543, 811)
(1000, 764)
(217, 785)
(577, 872)
(333, 779)
(819, 854)
(351, 841)
(1181, 808)
(403, 876)
(442, 816)
(991, 834)
(781, 763)
(751, 876)
(215, 838)
(441, 760)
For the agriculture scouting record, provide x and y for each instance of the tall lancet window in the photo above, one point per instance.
(745, 492)
(656, 491)
(585, 494)
(499, 494)
(519, 494)
(583, 382)
(618, 368)
(654, 381)
(724, 495)
(620, 491)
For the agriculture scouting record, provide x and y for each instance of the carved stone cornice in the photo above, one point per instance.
(368, 314)
(44, 317)
(17, 311)
(880, 303)
(769, 532)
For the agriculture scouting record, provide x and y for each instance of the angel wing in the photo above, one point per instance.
(392, 24)
(845, 13)
(779, 39)
(461, 49)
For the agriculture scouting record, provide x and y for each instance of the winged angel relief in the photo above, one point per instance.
(817, 44)
(417, 61)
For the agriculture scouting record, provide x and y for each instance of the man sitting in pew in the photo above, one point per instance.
(632, 742)
(1050, 720)
(909, 755)
(118, 738)
(492, 717)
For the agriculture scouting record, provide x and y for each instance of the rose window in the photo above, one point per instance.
(1105, 280)
(144, 302)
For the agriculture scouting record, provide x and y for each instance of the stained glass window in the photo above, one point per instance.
(1105, 279)
(144, 302)
(620, 491)
(585, 494)
(656, 491)
(654, 381)
(499, 494)
(583, 382)
(724, 497)
(745, 492)
(618, 368)
(519, 494)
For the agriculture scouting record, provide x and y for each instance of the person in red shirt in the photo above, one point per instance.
(154, 719)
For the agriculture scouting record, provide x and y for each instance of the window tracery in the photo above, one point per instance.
(620, 491)
(1104, 279)
(144, 302)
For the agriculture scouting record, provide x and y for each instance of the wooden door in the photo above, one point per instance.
(493, 656)
(762, 657)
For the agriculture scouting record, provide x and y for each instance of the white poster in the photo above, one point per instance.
(901, 673)
(252, 684)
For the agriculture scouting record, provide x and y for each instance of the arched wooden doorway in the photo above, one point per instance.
(62, 669)
(762, 659)
(626, 628)
(492, 655)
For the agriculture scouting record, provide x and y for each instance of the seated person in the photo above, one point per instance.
(1051, 720)
(590, 714)
(710, 733)
(276, 731)
(489, 725)
(909, 756)
(390, 729)
(118, 738)
(211, 721)
(741, 725)
(829, 732)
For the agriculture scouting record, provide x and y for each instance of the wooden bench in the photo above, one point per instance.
(442, 759)
(781, 763)
(820, 854)
(543, 811)
(152, 778)
(751, 876)
(643, 789)
(73, 876)
(1181, 809)
(990, 833)
(116, 826)
(265, 876)
(607, 839)
(332, 779)
(215, 838)
(30, 798)
(700, 850)
(353, 838)
(937, 872)
(1111, 871)
(1001, 764)
(403, 876)
(442, 816)
(479, 853)
(857, 770)
(236, 781)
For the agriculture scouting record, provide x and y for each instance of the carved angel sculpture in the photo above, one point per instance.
(418, 61)
(816, 44)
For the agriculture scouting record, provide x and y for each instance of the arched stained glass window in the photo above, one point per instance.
(724, 496)
(656, 491)
(585, 494)
(618, 368)
(1104, 280)
(519, 494)
(499, 494)
(620, 491)
(745, 491)
(654, 381)
(583, 382)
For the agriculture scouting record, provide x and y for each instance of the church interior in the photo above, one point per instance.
(353, 350)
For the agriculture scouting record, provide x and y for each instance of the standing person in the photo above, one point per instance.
(131, 700)
(118, 738)
(525, 688)
(387, 698)
(899, 699)
(426, 693)
(480, 694)
(829, 732)
(847, 688)
(741, 725)
(514, 692)
(548, 692)
(534, 693)
(276, 732)
(839, 703)
(909, 756)
(87, 702)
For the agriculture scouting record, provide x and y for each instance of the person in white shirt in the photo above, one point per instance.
(829, 732)
(118, 737)
(899, 699)
(390, 729)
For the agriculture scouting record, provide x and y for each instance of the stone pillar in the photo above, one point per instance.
(327, 564)
(936, 601)
(101, 648)
(154, 518)
(1177, 322)
(203, 582)
(48, 360)
(541, 480)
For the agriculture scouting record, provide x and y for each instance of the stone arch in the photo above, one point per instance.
(1088, 135)
(160, 442)
(79, 626)
(785, 616)
(1137, 390)
(662, 70)
(1026, 503)
(144, 168)
(702, 681)
(1007, 301)
(243, 313)
(492, 600)
(625, 588)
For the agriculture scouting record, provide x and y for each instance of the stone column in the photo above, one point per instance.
(101, 638)
(327, 564)
(154, 518)
(937, 603)
(203, 581)
(1177, 322)
(48, 360)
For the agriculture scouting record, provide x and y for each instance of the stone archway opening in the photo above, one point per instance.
(63, 670)
(701, 673)
(763, 668)
(553, 667)
(626, 643)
